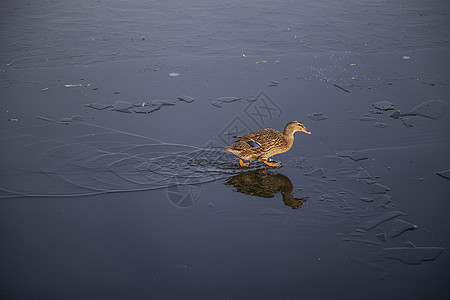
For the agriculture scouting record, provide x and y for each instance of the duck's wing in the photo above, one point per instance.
(254, 135)
(264, 137)
(253, 143)
(250, 141)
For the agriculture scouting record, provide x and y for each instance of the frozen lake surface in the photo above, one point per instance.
(114, 184)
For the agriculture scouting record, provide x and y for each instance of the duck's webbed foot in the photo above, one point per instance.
(272, 164)
(242, 163)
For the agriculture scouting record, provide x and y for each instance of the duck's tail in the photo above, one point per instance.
(232, 150)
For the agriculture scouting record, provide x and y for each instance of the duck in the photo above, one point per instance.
(263, 144)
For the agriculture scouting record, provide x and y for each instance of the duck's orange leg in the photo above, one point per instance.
(242, 163)
(270, 164)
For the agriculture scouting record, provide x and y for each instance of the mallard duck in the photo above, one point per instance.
(262, 144)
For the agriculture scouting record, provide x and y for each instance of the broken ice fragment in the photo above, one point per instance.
(374, 188)
(410, 121)
(365, 199)
(396, 227)
(146, 109)
(317, 173)
(325, 197)
(228, 99)
(216, 103)
(357, 156)
(122, 106)
(433, 109)
(317, 116)
(340, 87)
(384, 105)
(344, 153)
(445, 174)
(381, 236)
(73, 118)
(396, 114)
(163, 102)
(367, 118)
(375, 221)
(354, 155)
(186, 98)
(98, 106)
(410, 254)
(77, 118)
(363, 174)
(376, 111)
(252, 99)
(381, 125)
(45, 119)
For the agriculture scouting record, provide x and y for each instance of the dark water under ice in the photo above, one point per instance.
(114, 184)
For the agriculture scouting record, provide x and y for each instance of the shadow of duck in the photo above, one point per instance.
(266, 185)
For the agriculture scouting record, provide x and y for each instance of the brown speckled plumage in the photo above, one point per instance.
(262, 144)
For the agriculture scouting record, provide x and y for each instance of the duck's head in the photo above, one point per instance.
(295, 126)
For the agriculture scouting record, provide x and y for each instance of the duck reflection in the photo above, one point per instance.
(266, 185)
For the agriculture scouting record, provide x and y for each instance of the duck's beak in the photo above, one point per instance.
(306, 131)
